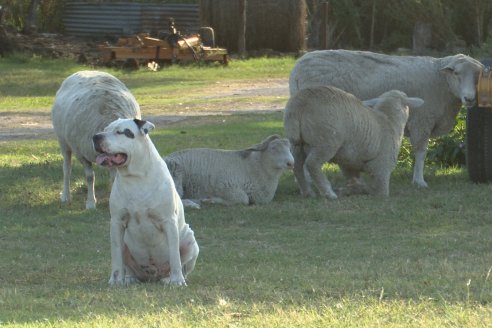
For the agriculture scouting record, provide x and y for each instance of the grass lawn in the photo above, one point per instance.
(420, 258)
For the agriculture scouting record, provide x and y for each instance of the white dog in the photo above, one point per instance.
(150, 240)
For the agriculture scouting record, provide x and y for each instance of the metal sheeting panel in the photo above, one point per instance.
(125, 18)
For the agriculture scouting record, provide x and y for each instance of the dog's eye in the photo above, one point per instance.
(127, 133)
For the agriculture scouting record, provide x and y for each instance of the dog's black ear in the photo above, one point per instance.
(144, 126)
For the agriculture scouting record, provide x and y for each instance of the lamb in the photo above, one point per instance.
(443, 83)
(327, 124)
(228, 177)
(85, 104)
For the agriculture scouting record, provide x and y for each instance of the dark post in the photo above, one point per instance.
(30, 23)
(241, 45)
(324, 25)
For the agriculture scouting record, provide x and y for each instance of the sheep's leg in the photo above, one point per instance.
(420, 152)
(67, 172)
(418, 169)
(354, 186)
(313, 164)
(229, 197)
(191, 203)
(380, 184)
(350, 174)
(89, 179)
(300, 172)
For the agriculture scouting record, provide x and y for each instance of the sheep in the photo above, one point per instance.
(228, 177)
(85, 103)
(443, 83)
(327, 124)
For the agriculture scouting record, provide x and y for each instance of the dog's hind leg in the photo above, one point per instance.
(188, 251)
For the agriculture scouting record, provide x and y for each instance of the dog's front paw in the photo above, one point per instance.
(174, 281)
(131, 280)
(116, 279)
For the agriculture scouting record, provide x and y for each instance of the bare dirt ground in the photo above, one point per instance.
(221, 98)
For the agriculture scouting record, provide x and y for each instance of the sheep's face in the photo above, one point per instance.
(119, 141)
(462, 75)
(279, 154)
(395, 103)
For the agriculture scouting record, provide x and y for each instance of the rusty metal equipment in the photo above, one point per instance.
(173, 47)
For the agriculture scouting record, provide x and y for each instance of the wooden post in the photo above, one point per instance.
(324, 25)
(241, 46)
(30, 20)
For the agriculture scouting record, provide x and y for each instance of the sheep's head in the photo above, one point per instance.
(394, 101)
(275, 150)
(462, 76)
(279, 152)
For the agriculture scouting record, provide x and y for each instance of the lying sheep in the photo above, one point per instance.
(85, 104)
(248, 176)
(444, 84)
(326, 124)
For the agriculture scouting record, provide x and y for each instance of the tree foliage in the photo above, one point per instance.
(355, 24)
(388, 24)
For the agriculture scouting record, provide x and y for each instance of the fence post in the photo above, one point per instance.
(241, 45)
(324, 25)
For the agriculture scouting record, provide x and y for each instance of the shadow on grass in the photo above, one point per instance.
(415, 245)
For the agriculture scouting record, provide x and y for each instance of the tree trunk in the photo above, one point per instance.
(373, 23)
(241, 46)
(30, 21)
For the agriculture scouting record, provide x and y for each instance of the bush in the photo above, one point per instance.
(450, 150)
(446, 151)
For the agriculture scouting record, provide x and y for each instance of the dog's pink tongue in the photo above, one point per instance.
(102, 158)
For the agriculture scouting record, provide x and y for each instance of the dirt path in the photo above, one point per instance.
(221, 96)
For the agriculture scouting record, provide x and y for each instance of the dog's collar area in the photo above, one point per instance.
(111, 160)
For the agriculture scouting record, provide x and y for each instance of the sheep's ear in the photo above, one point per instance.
(448, 69)
(264, 144)
(414, 102)
(144, 126)
(371, 102)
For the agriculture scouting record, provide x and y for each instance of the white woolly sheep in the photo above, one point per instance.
(443, 83)
(326, 124)
(248, 176)
(85, 104)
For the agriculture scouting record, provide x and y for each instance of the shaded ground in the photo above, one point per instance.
(220, 99)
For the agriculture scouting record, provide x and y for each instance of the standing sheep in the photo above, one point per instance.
(326, 124)
(248, 176)
(444, 84)
(85, 104)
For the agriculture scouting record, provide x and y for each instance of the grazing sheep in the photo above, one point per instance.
(326, 124)
(85, 104)
(444, 84)
(248, 176)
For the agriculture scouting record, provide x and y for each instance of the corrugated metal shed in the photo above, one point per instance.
(124, 18)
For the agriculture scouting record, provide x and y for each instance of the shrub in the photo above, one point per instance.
(445, 151)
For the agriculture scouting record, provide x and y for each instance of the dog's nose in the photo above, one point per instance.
(96, 140)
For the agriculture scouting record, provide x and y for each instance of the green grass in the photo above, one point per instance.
(420, 258)
(170, 86)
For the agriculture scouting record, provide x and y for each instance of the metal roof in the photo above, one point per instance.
(123, 18)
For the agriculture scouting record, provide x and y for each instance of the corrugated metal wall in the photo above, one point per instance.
(125, 18)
